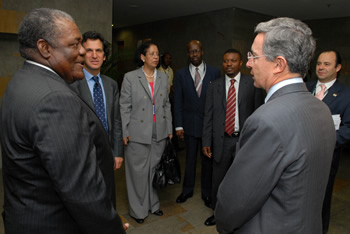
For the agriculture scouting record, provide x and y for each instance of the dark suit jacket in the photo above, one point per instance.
(249, 99)
(113, 110)
(282, 163)
(338, 101)
(188, 107)
(57, 163)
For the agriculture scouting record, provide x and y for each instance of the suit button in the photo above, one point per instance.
(144, 97)
(143, 109)
(163, 117)
(141, 121)
(161, 94)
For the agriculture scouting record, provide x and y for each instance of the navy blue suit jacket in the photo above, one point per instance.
(188, 107)
(338, 101)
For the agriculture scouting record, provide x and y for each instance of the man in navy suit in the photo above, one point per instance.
(219, 143)
(337, 97)
(190, 91)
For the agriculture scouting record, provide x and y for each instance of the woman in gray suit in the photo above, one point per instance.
(146, 121)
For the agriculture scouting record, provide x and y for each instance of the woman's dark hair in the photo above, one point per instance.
(142, 50)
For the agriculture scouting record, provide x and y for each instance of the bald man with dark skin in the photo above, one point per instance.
(190, 93)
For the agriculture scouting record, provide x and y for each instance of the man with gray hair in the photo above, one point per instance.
(285, 147)
(57, 163)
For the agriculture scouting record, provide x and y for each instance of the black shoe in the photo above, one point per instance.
(207, 201)
(138, 220)
(158, 212)
(210, 221)
(183, 197)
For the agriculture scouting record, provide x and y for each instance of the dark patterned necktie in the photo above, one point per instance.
(99, 102)
(230, 109)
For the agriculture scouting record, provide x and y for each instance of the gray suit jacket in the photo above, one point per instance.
(113, 110)
(57, 163)
(137, 110)
(276, 182)
(249, 99)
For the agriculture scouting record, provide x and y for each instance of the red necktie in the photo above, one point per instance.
(230, 109)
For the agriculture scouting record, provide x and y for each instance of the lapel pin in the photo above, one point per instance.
(335, 94)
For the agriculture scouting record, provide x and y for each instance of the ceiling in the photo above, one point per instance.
(133, 12)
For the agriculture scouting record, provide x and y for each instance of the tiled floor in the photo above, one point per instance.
(190, 216)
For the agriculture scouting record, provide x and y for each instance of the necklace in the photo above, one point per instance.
(149, 76)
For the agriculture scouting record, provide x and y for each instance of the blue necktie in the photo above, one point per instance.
(99, 103)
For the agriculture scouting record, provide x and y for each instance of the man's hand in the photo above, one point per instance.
(180, 134)
(126, 140)
(126, 226)
(207, 151)
(118, 162)
(170, 136)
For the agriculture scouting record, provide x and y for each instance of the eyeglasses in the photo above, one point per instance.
(153, 54)
(194, 51)
(251, 56)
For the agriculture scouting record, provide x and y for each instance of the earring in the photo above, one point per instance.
(143, 60)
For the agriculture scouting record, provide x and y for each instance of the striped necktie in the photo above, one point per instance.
(230, 109)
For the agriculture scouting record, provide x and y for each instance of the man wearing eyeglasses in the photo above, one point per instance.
(230, 101)
(284, 153)
(189, 98)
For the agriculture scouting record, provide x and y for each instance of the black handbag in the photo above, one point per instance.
(168, 169)
(159, 179)
(171, 164)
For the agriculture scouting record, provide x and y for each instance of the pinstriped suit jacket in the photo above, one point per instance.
(281, 167)
(57, 163)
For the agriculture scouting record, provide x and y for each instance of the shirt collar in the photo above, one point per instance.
(88, 75)
(200, 67)
(281, 84)
(228, 79)
(328, 84)
(41, 65)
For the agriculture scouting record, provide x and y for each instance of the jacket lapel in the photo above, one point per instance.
(85, 93)
(222, 92)
(109, 98)
(144, 83)
(332, 94)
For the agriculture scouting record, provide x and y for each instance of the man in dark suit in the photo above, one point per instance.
(190, 91)
(97, 51)
(337, 97)
(285, 147)
(57, 163)
(219, 142)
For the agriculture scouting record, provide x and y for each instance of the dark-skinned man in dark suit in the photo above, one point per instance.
(57, 162)
(218, 143)
(190, 91)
